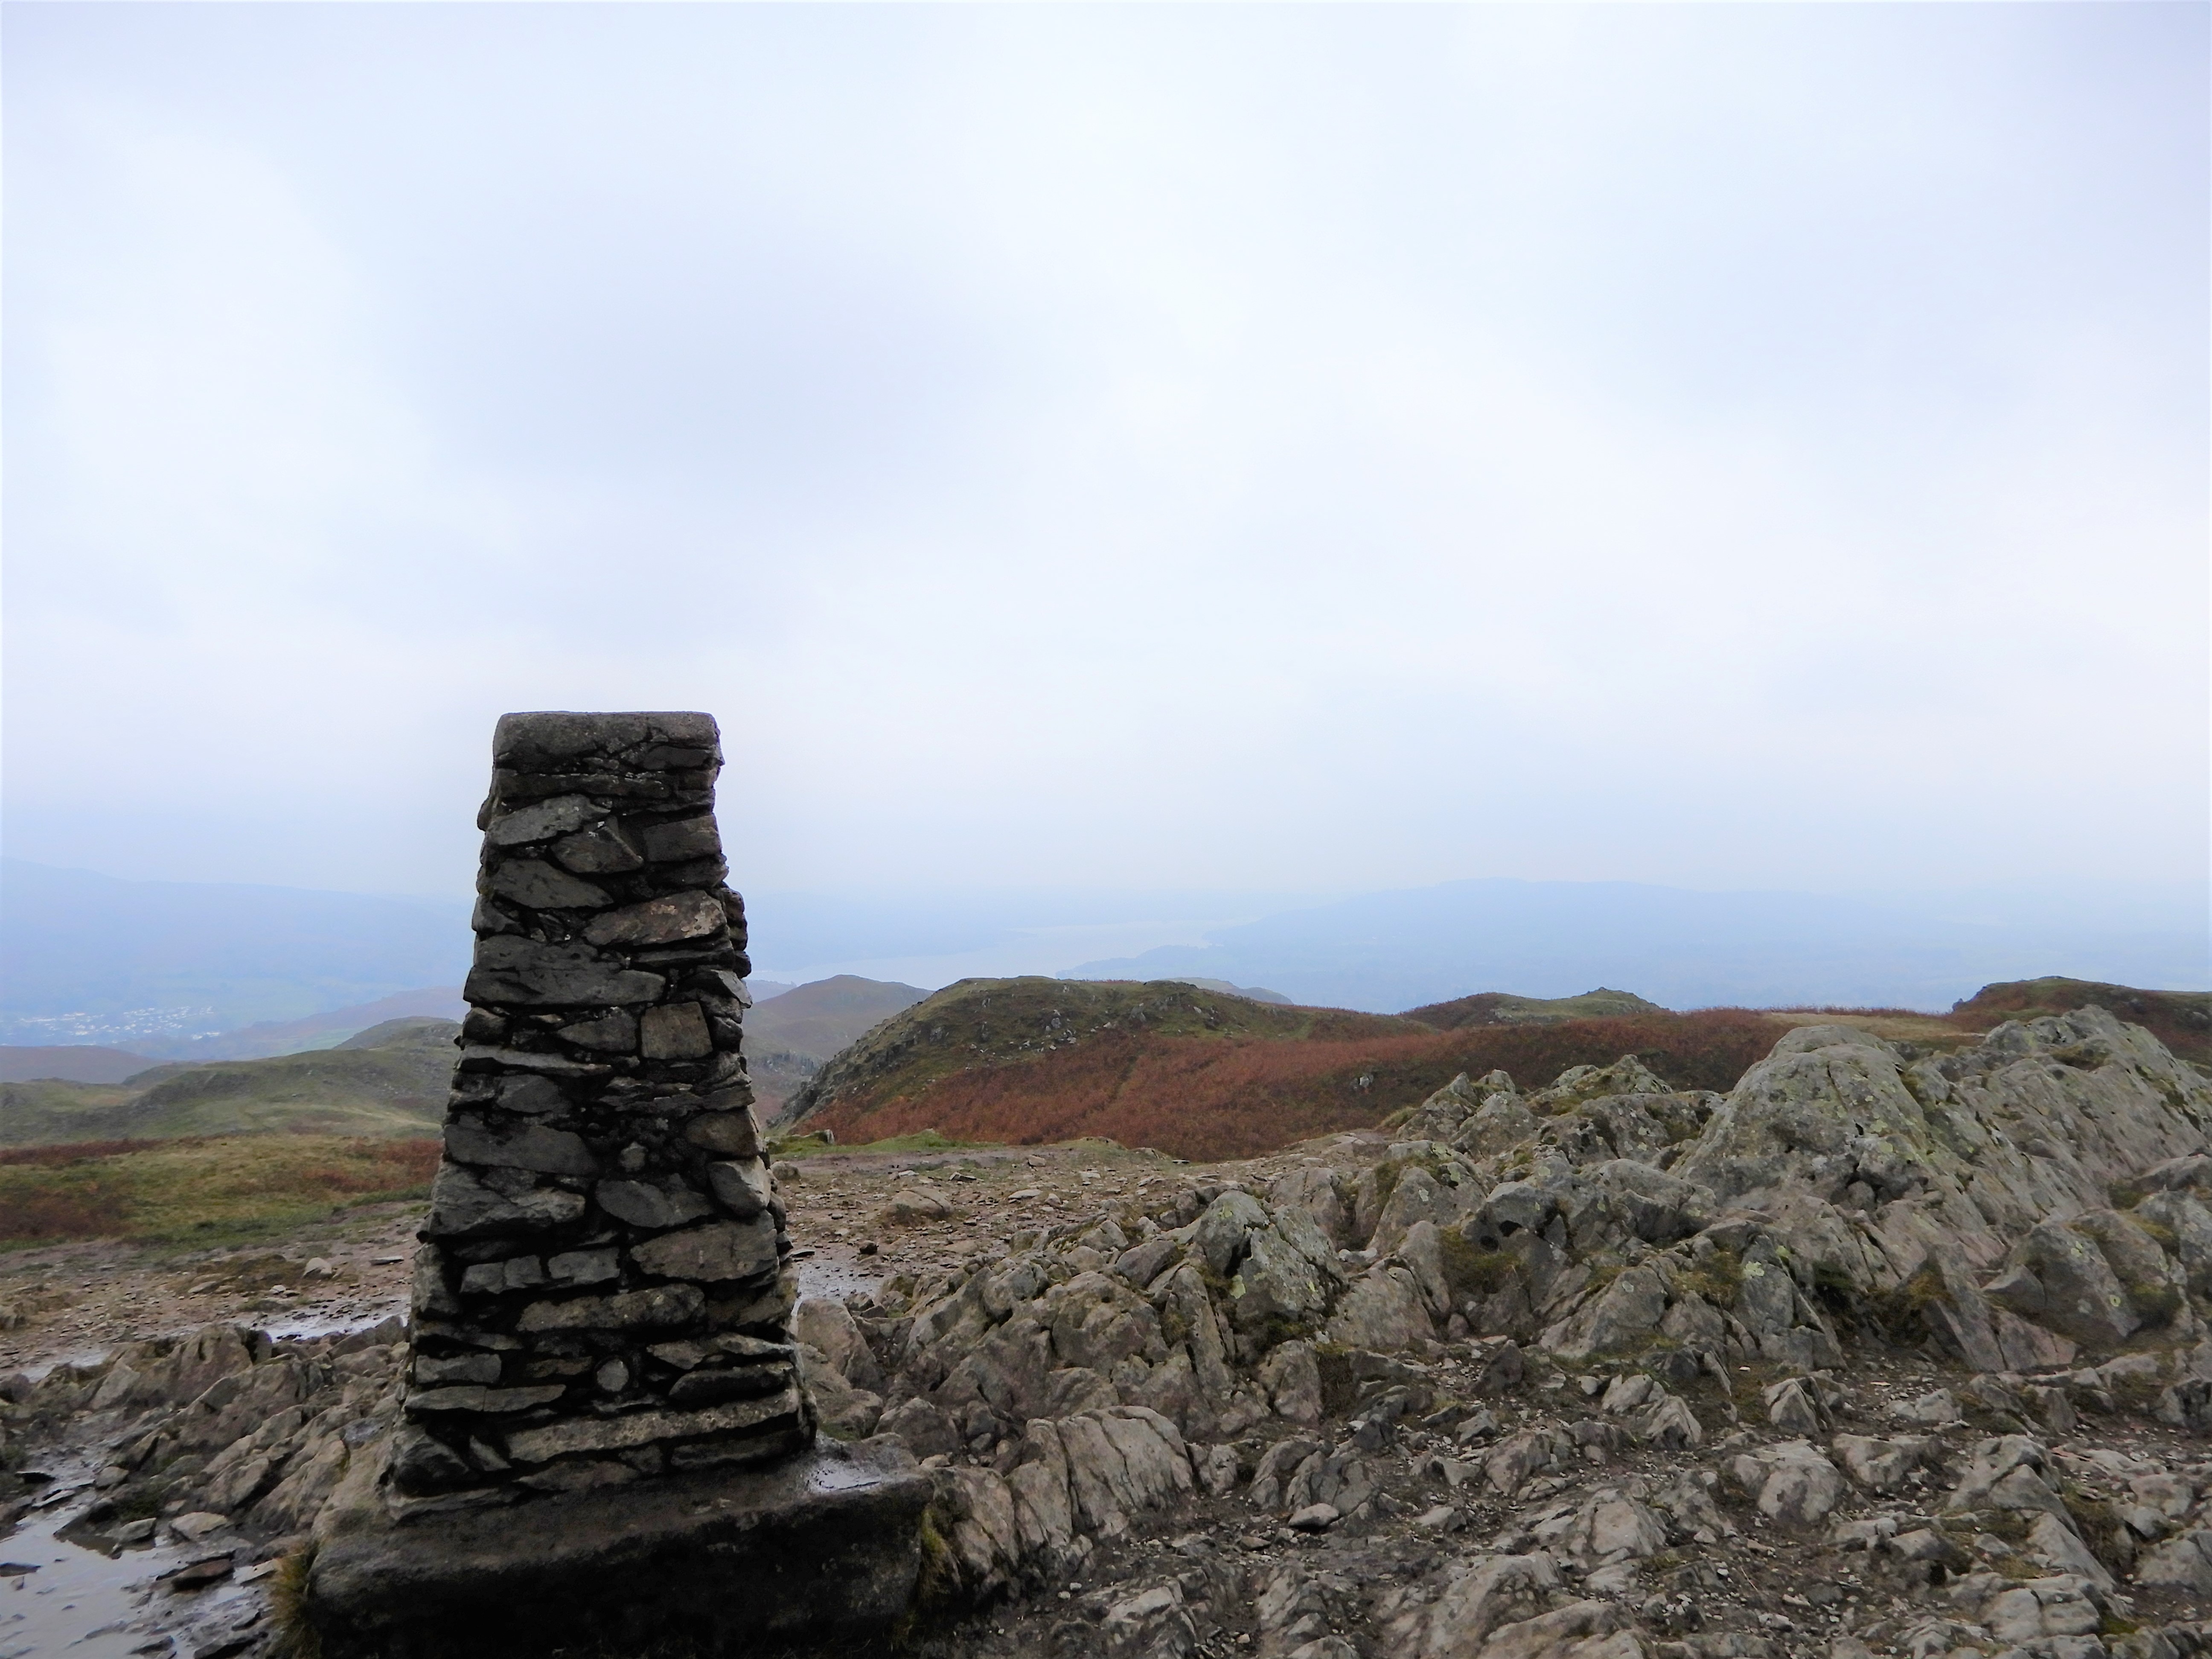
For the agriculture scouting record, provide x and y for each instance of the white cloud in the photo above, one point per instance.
(1279, 447)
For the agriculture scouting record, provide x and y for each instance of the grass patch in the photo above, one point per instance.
(201, 1190)
(1715, 1276)
(1469, 1269)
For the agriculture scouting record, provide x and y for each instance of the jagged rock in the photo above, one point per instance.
(1275, 1468)
(1417, 1196)
(1581, 1630)
(2060, 1277)
(846, 1412)
(826, 1324)
(925, 1430)
(1622, 1316)
(1384, 1310)
(1883, 1466)
(982, 1538)
(1667, 1423)
(1793, 1483)
(2006, 1473)
(1320, 1192)
(1490, 1594)
(2053, 1542)
(1518, 1457)
(1293, 1380)
(1106, 1466)
(1791, 1408)
(1611, 1526)
(2061, 1605)
(2182, 1563)
(1154, 1624)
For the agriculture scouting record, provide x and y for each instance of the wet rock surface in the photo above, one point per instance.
(1598, 1369)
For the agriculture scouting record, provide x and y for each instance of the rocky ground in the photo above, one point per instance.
(1884, 1352)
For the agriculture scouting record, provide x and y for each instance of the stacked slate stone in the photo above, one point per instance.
(601, 1292)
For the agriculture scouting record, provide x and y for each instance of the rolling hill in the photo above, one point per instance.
(1504, 1008)
(1205, 1075)
(389, 1080)
(1202, 1074)
(2182, 1020)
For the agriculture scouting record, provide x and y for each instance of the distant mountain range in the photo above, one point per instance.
(144, 965)
(1384, 952)
(180, 970)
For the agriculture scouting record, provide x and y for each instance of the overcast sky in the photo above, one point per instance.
(1308, 449)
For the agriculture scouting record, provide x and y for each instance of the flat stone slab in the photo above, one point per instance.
(826, 1545)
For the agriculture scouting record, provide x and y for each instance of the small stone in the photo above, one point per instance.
(659, 1307)
(198, 1575)
(719, 1251)
(541, 822)
(676, 1031)
(538, 1445)
(198, 1524)
(482, 1400)
(1315, 1517)
(611, 1034)
(602, 850)
(536, 1096)
(706, 1387)
(532, 1146)
(741, 1190)
(612, 1378)
(495, 1277)
(670, 920)
(643, 1205)
(431, 1372)
(686, 838)
(584, 1266)
(513, 970)
(733, 1133)
(538, 885)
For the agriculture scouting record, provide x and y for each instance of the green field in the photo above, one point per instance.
(196, 1190)
(390, 1080)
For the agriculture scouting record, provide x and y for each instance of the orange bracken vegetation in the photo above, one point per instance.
(1236, 1096)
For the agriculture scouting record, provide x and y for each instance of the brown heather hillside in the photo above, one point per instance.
(2182, 1020)
(1205, 1076)
(1504, 1008)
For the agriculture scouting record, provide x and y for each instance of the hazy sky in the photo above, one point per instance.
(1311, 448)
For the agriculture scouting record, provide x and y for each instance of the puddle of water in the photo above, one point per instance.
(838, 1474)
(88, 1606)
(343, 1321)
(835, 1278)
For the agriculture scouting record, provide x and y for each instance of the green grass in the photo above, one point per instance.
(201, 1190)
(398, 1090)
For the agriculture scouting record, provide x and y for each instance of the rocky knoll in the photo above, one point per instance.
(1878, 1352)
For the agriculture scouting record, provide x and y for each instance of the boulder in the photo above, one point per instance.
(1489, 1593)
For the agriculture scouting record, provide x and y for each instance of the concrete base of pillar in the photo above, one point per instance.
(826, 1545)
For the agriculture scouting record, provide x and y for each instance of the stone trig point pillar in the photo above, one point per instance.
(600, 1293)
(600, 1354)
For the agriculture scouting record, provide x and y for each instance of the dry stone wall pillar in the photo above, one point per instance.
(601, 1293)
